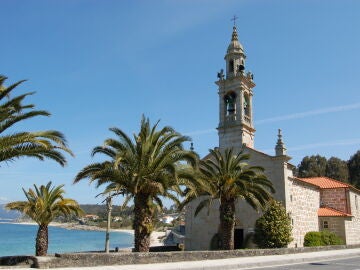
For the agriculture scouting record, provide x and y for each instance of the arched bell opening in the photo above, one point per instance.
(230, 103)
(247, 109)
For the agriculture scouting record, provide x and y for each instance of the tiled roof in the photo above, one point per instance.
(329, 212)
(324, 182)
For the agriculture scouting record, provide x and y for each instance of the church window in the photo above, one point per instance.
(231, 66)
(230, 103)
(325, 224)
(246, 105)
(291, 198)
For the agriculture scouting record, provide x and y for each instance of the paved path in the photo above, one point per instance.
(235, 263)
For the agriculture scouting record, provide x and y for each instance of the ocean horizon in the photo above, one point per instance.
(19, 239)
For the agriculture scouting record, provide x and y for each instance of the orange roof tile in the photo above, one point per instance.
(324, 182)
(330, 212)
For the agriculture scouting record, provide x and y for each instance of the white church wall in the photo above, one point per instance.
(275, 170)
(199, 230)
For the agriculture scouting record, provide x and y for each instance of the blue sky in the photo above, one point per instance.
(99, 64)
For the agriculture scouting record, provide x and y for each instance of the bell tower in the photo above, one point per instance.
(235, 99)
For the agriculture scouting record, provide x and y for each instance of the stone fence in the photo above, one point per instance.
(123, 258)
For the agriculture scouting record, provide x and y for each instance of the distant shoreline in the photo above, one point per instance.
(71, 226)
(154, 239)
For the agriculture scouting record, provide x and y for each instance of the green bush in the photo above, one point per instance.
(273, 229)
(312, 239)
(329, 238)
(324, 238)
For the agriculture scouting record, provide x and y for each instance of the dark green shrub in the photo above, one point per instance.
(329, 238)
(312, 239)
(324, 238)
(273, 229)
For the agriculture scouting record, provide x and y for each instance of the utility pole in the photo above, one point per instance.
(107, 238)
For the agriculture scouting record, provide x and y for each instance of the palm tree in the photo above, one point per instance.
(43, 205)
(145, 170)
(227, 177)
(13, 145)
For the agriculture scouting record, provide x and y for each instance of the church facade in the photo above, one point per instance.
(314, 204)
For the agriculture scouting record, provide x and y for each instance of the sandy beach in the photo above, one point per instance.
(155, 238)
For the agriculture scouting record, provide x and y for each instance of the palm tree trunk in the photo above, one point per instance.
(143, 223)
(42, 240)
(227, 224)
(108, 225)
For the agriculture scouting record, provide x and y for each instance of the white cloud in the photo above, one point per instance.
(355, 141)
(200, 132)
(326, 144)
(327, 110)
(3, 199)
(341, 108)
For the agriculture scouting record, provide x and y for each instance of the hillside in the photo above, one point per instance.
(5, 214)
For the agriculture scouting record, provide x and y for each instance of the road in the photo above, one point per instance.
(343, 264)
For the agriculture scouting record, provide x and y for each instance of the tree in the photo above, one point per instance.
(42, 145)
(43, 205)
(354, 169)
(145, 169)
(337, 169)
(227, 177)
(312, 166)
(273, 229)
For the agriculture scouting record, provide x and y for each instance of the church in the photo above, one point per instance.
(313, 204)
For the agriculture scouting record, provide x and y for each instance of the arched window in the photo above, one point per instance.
(230, 103)
(246, 105)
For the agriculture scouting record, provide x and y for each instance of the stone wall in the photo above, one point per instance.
(335, 198)
(335, 225)
(303, 206)
(127, 258)
(352, 225)
(96, 259)
(19, 261)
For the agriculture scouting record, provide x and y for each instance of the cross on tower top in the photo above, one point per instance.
(234, 19)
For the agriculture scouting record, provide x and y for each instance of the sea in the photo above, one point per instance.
(19, 239)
